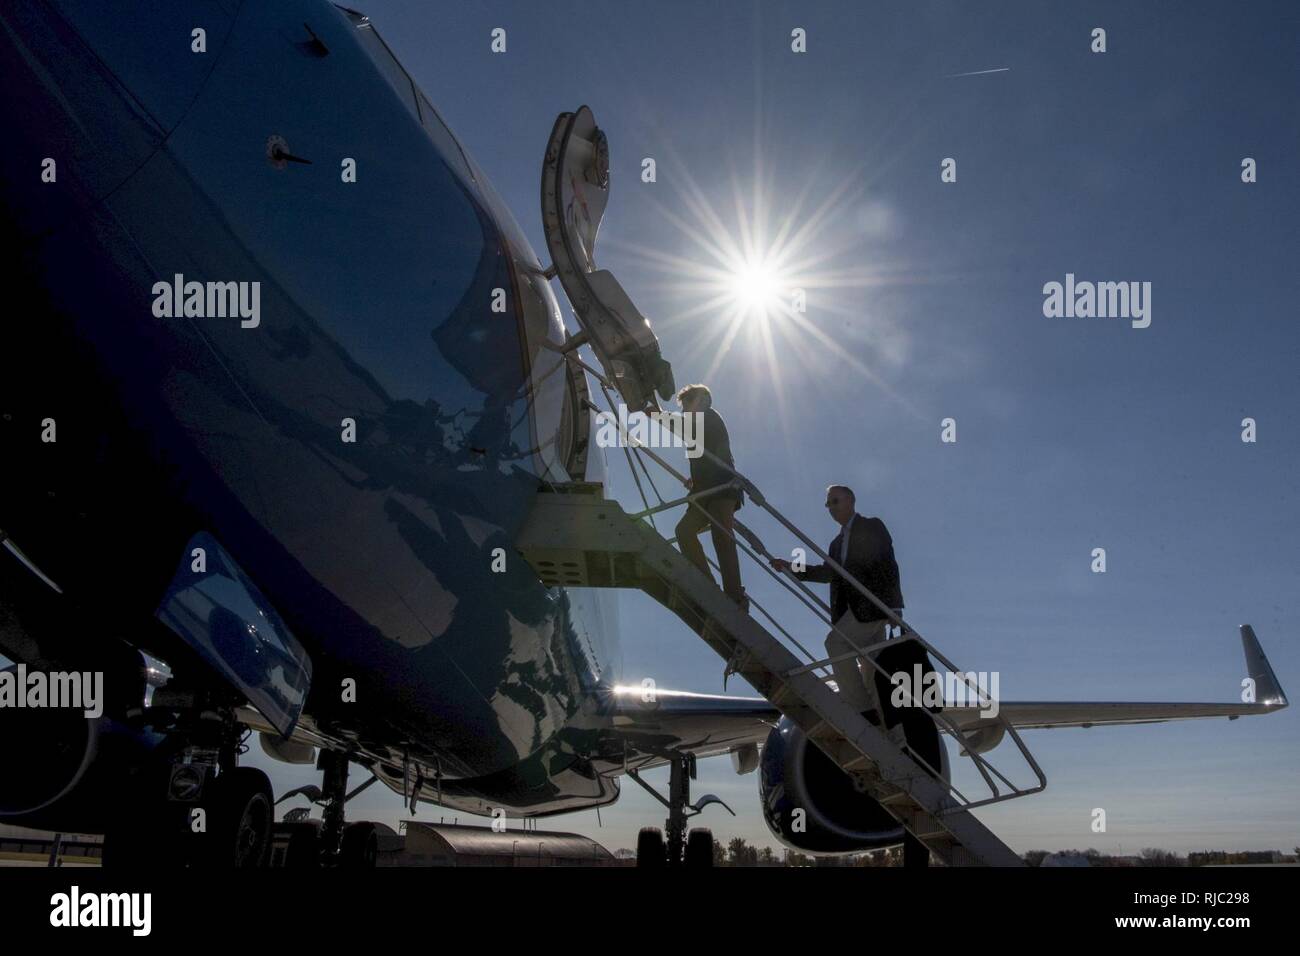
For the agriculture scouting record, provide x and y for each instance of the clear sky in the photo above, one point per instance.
(925, 301)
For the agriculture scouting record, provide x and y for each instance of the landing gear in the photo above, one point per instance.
(228, 828)
(679, 792)
(195, 807)
(360, 849)
(331, 841)
(353, 846)
(673, 847)
(240, 820)
(334, 789)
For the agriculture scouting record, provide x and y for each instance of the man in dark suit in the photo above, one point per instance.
(866, 551)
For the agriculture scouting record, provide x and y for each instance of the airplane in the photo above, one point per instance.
(281, 380)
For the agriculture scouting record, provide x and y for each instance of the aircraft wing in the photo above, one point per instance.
(1034, 715)
(1268, 697)
(707, 724)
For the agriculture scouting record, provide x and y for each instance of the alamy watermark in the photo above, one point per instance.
(208, 300)
(1103, 300)
(945, 689)
(675, 430)
(132, 911)
(76, 690)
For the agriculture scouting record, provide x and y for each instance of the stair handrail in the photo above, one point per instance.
(906, 631)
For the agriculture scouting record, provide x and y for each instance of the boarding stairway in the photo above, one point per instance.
(575, 537)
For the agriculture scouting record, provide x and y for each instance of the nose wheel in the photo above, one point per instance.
(242, 819)
(196, 808)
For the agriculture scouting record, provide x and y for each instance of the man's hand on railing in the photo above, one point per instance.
(780, 564)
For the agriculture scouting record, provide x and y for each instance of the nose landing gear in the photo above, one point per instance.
(199, 809)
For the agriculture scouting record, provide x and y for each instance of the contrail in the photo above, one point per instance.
(1001, 69)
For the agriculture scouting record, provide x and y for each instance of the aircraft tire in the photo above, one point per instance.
(360, 850)
(241, 819)
(699, 848)
(650, 850)
(301, 843)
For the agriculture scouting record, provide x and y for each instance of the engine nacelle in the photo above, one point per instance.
(983, 739)
(796, 776)
(67, 772)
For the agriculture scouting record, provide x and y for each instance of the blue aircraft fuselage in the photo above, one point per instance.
(363, 447)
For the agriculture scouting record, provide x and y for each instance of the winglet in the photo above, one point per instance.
(1267, 689)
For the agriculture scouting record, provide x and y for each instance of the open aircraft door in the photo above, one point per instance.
(575, 190)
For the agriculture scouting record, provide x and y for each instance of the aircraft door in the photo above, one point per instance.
(575, 191)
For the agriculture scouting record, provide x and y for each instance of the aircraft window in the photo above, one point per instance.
(575, 430)
(566, 437)
(447, 144)
(383, 57)
(551, 420)
(448, 147)
(549, 393)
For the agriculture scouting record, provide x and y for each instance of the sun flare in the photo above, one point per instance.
(757, 286)
(782, 280)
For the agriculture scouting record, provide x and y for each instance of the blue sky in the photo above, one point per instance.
(926, 303)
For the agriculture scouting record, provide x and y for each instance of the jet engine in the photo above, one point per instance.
(64, 771)
(811, 805)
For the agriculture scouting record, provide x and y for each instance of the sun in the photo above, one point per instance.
(756, 286)
(779, 279)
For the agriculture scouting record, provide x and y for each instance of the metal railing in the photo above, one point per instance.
(753, 547)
